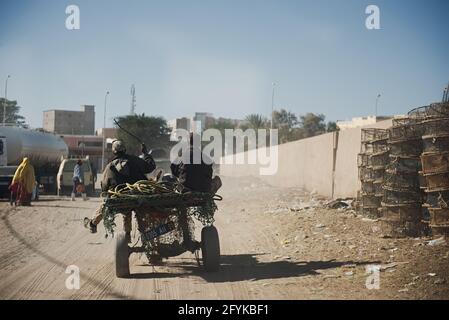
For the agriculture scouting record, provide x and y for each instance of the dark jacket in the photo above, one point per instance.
(194, 177)
(125, 168)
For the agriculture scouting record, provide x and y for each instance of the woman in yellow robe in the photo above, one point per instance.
(24, 182)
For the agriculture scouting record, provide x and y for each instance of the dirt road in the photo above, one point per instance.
(276, 244)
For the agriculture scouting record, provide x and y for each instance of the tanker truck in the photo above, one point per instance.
(45, 151)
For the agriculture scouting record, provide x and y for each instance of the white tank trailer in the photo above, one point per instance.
(45, 151)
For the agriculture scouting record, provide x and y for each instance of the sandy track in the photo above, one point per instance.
(41, 241)
(264, 256)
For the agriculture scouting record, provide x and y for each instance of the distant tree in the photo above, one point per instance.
(12, 113)
(256, 121)
(312, 124)
(286, 122)
(221, 125)
(331, 126)
(153, 131)
(297, 134)
(284, 118)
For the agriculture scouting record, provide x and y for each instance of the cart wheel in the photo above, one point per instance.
(210, 248)
(121, 255)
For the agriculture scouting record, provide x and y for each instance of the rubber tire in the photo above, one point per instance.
(210, 248)
(121, 255)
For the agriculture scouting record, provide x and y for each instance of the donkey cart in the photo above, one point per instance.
(165, 224)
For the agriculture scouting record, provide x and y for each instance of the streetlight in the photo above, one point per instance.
(4, 102)
(272, 103)
(446, 94)
(82, 140)
(104, 126)
(377, 101)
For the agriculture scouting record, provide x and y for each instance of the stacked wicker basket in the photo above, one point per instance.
(435, 164)
(401, 213)
(405, 173)
(371, 162)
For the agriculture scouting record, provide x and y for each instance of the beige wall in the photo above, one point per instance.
(309, 164)
(346, 172)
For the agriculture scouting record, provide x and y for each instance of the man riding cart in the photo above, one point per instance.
(164, 211)
(124, 168)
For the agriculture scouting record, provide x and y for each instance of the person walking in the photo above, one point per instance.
(23, 183)
(78, 181)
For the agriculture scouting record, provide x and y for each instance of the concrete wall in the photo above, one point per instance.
(326, 164)
(346, 172)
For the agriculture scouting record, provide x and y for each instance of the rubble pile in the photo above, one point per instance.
(401, 212)
(435, 163)
(371, 161)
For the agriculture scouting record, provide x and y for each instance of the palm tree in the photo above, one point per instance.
(256, 121)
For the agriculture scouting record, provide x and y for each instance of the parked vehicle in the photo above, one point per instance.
(65, 176)
(6, 175)
(43, 149)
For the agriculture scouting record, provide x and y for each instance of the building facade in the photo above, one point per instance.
(199, 122)
(110, 133)
(202, 121)
(358, 122)
(82, 146)
(179, 123)
(70, 122)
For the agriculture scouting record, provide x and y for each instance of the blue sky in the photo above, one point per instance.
(222, 56)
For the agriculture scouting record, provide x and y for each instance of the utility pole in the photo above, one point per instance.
(446, 93)
(4, 101)
(82, 140)
(272, 103)
(133, 100)
(104, 127)
(377, 102)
